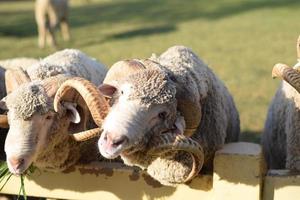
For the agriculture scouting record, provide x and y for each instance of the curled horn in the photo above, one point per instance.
(290, 75)
(3, 121)
(79, 90)
(14, 78)
(168, 142)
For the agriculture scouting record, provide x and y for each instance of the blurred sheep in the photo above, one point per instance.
(48, 14)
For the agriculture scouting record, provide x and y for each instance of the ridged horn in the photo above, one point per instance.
(3, 121)
(122, 69)
(76, 89)
(86, 135)
(14, 78)
(288, 74)
(169, 142)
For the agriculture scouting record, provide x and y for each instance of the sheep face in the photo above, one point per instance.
(31, 118)
(142, 105)
(25, 138)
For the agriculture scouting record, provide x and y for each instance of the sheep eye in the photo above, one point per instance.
(122, 92)
(162, 115)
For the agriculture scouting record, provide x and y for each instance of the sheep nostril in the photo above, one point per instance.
(21, 161)
(17, 162)
(119, 141)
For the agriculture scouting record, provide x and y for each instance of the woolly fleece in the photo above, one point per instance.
(71, 62)
(196, 83)
(281, 137)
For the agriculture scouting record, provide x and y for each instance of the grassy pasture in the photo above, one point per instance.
(241, 40)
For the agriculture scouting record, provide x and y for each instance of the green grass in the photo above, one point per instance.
(5, 175)
(240, 40)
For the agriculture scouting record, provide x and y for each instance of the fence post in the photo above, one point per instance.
(239, 169)
(281, 184)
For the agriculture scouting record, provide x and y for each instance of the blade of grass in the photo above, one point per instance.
(6, 181)
(23, 187)
(3, 175)
(19, 191)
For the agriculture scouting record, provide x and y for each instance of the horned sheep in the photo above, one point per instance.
(40, 135)
(280, 140)
(48, 14)
(169, 114)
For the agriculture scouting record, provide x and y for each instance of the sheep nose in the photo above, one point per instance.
(16, 163)
(115, 141)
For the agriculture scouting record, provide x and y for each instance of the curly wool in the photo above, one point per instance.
(172, 168)
(156, 87)
(29, 99)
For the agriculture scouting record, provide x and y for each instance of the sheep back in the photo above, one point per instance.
(70, 62)
(15, 63)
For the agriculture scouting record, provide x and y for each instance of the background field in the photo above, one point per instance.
(240, 40)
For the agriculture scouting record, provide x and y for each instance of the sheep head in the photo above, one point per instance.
(33, 120)
(144, 103)
(289, 74)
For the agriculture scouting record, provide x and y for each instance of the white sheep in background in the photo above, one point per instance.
(37, 133)
(281, 137)
(48, 14)
(160, 105)
(15, 63)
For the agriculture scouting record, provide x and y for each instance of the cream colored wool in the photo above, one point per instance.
(171, 169)
(156, 89)
(29, 99)
(71, 62)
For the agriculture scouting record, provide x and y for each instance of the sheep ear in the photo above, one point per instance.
(107, 90)
(3, 104)
(72, 112)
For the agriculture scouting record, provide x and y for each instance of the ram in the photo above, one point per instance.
(281, 137)
(171, 108)
(40, 135)
(49, 14)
